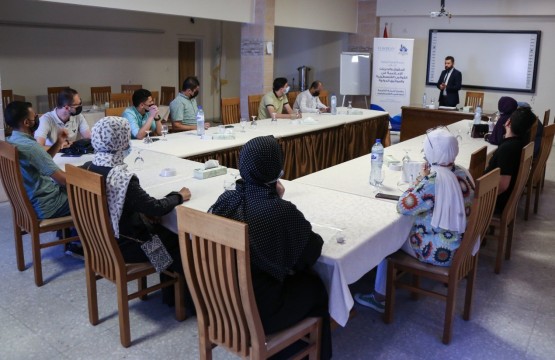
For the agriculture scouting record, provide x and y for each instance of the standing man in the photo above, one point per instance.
(43, 180)
(143, 115)
(275, 101)
(449, 84)
(309, 102)
(67, 115)
(184, 108)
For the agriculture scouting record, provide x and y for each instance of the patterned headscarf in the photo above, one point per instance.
(441, 148)
(110, 140)
(278, 233)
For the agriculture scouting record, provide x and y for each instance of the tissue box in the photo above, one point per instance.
(208, 173)
(390, 159)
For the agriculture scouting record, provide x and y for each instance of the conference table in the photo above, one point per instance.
(337, 201)
(313, 143)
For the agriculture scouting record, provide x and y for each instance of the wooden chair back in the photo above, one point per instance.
(254, 103)
(291, 97)
(526, 157)
(546, 116)
(324, 97)
(7, 97)
(167, 95)
(533, 130)
(231, 110)
(100, 95)
(103, 258)
(121, 100)
(25, 219)
(215, 255)
(478, 161)
(130, 89)
(474, 99)
(155, 97)
(115, 111)
(53, 95)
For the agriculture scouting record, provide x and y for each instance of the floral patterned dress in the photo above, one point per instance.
(431, 245)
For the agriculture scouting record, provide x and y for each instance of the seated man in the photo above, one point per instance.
(67, 115)
(275, 101)
(143, 115)
(309, 102)
(43, 180)
(507, 155)
(184, 108)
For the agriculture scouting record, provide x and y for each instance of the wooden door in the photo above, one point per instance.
(186, 60)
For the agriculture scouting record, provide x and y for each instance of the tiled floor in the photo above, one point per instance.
(513, 313)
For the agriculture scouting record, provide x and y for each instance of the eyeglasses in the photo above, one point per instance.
(433, 129)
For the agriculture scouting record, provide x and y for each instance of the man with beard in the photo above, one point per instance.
(184, 108)
(43, 180)
(309, 102)
(143, 115)
(449, 84)
(67, 115)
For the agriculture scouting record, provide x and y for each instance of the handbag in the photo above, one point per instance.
(156, 252)
(479, 130)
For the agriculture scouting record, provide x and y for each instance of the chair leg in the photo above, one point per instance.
(141, 285)
(470, 280)
(449, 312)
(19, 254)
(500, 247)
(205, 347)
(179, 289)
(37, 261)
(510, 230)
(91, 295)
(123, 313)
(315, 337)
(528, 190)
(390, 293)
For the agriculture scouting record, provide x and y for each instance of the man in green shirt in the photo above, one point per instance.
(275, 101)
(184, 108)
(143, 115)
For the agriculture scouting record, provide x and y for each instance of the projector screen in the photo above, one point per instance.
(494, 60)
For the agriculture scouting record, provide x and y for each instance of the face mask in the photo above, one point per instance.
(286, 90)
(35, 125)
(193, 95)
(147, 108)
(78, 110)
(316, 93)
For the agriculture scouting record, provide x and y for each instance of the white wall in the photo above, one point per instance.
(330, 15)
(33, 58)
(417, 27)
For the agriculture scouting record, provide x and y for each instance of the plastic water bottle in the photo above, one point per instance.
(200, 121)
(376, 161)
(333, 104)
(424, 100)
(478, 115)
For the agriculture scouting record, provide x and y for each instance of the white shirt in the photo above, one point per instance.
(307, 103)
(50, 123)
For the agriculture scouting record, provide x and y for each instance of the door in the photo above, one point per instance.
(186, 60)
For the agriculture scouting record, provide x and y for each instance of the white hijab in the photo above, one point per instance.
(441, 148)
(110, 140)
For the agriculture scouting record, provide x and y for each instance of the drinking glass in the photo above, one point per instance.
(378, 180)
(139, 161)
(350, 107)
(164, 132)
(147, 139)
(406, 158)
(243, 123)
(253, 123)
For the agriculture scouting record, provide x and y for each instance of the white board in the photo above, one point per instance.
(354, 74)
(496, 60)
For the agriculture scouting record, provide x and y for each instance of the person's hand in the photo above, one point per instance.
(185, 193)
(206, 125)
(280, 189)
(442, 86)
(153, 111)
(62, 136)
(425, 170)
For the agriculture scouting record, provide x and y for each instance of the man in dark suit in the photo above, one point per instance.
(449, 84)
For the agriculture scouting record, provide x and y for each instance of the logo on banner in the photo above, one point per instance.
(403, 50)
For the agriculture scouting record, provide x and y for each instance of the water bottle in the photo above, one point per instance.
(424, 100)
(200, 121)
(478, 115)
(333, 104)
(376, 161)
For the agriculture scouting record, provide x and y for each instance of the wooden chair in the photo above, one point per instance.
(53, 95)
(254, 103)
(7, 97)
(538, 169)
(474, 99)
(130, 89)
(167, 95)
(121, 99)
(478, 161)
(464, 265)
(291, 97)
(503, 224)
(155, 97)
(231, 110)
(103, 258)
(100, 95)
(25, 219)
(324, 97)
(115, 111)
(215, 255)
(546, 116)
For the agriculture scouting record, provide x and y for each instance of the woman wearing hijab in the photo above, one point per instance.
(132, 210)
(440, 202)
(283, 246)
(506, 106)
